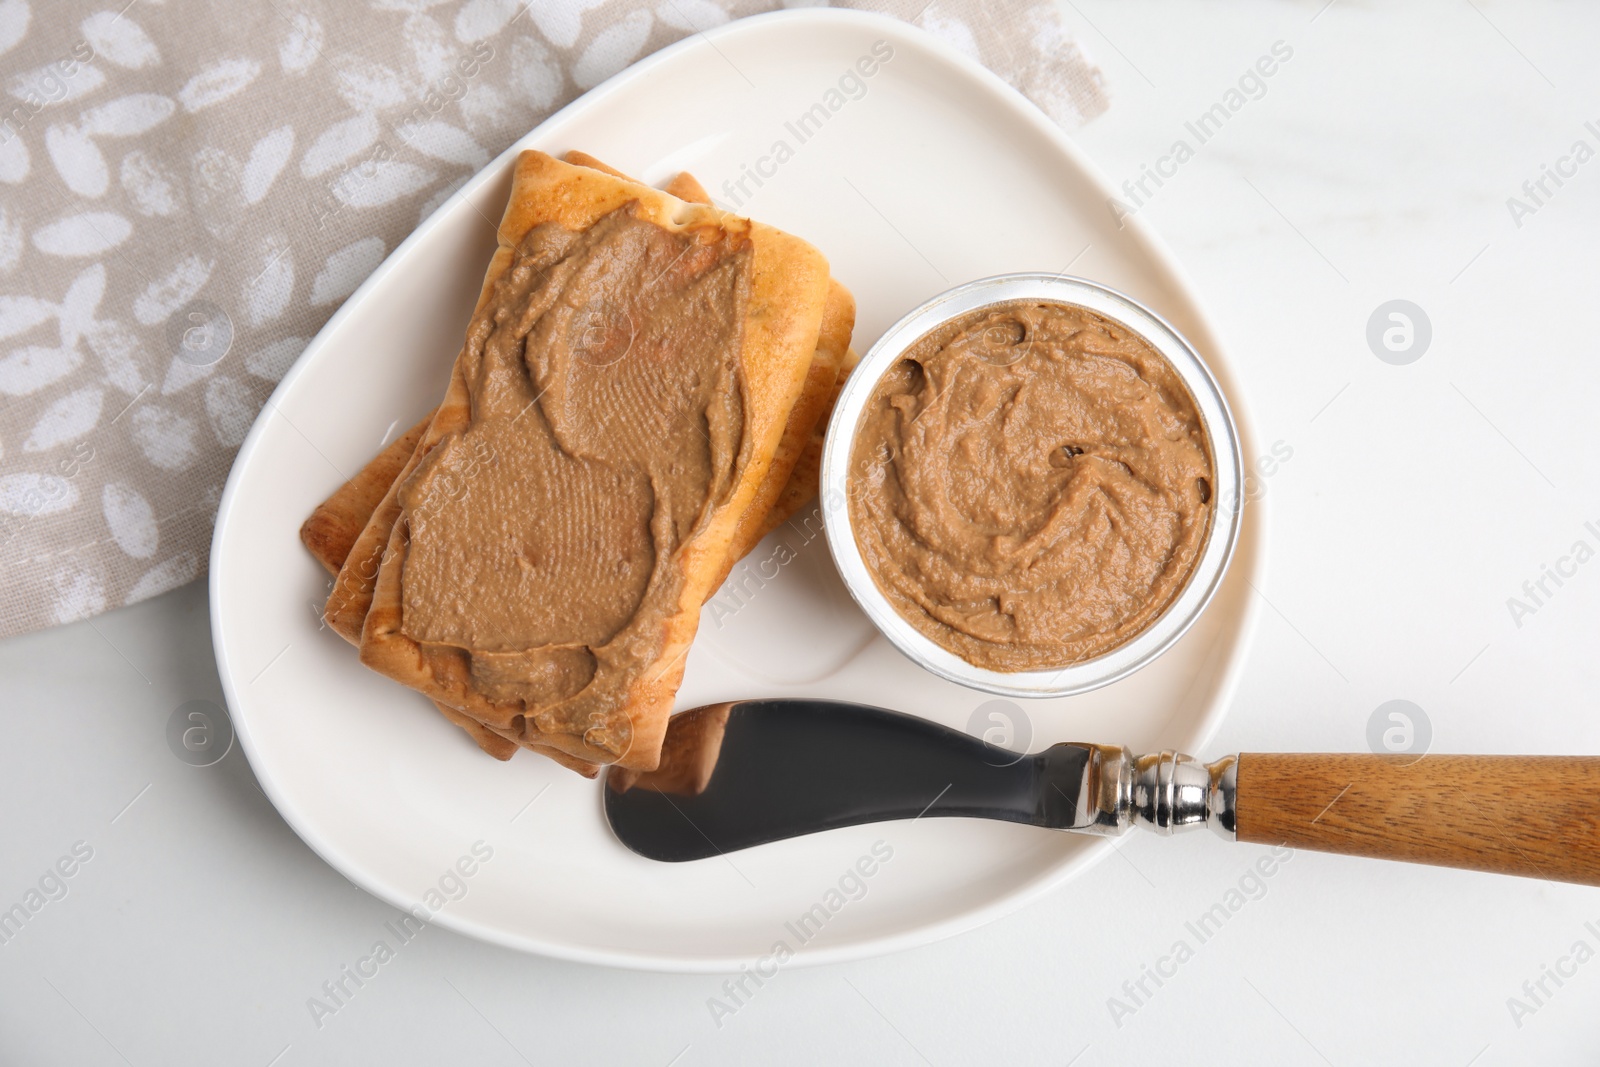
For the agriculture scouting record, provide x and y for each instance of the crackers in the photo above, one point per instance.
(792, 339)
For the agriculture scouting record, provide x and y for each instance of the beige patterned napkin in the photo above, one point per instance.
(189, 188)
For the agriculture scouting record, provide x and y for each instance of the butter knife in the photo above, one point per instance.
(751, 772)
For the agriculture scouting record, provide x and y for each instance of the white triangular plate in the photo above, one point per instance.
(928, 173)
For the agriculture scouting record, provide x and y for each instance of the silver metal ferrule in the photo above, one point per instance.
(1166, 792)
(1223, 797)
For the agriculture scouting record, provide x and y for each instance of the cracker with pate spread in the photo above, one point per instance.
(544, 578)
(334, 527)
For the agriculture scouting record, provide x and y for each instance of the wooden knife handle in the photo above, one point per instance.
(1537, 816)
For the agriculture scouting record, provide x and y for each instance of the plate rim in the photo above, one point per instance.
(994, 908)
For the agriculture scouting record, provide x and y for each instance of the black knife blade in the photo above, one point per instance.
(750, 772)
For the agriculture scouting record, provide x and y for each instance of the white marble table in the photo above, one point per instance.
(1418, 499)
